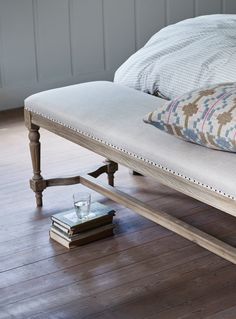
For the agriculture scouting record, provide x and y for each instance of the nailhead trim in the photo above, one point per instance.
(133, 154)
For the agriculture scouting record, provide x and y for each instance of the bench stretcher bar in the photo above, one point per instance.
(161, 218)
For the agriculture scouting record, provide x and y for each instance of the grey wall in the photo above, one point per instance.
(50, 43)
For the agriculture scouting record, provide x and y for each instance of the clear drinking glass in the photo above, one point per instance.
(82, 202)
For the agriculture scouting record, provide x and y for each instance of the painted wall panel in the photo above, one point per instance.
(150, 18)
(204, 7)
(87, 36)
(17, 43)
(52, 43)
(229, 6)
(179, 10)
(119, 23)
(53, 39)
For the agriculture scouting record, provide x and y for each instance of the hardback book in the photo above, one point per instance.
(69, 223)
(82, 238)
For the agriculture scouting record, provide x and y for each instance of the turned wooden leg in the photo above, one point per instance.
(37, 183)
(112, 167)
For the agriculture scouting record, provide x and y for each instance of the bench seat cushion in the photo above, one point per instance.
(113, 114)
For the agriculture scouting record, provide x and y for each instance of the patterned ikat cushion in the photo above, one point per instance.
(206, 117)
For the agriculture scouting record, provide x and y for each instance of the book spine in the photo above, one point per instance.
(59, 239)
(59, 222)
(60, 233)
(83, 241)
(74, 232)
(101, 221)
(62, 228)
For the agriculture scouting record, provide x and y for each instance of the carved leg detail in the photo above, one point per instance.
(36, 183)
(135, 173)
(109, 168)
(112, 167)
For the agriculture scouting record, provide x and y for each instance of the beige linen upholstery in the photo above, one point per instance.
(113, 114)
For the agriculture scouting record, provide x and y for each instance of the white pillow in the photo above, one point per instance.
(183, 57)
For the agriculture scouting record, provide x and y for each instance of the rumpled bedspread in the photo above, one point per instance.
(185, 56)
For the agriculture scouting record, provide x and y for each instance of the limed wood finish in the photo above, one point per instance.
(196, 191)
(37, 183)
(144, 271)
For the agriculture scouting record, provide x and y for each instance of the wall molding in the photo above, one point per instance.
(34, 13)
(1, 60)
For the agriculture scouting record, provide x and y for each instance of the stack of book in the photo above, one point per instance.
(70, 231)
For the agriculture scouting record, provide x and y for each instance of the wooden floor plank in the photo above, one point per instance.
(225, 314)
(205, 303)
(84, 269)
(184, 291)
(131, 299)
(69, 259)
(15, 270)
(99, 283)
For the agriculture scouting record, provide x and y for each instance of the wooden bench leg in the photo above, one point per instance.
(112, 167)
(109, 168)
(37, 183)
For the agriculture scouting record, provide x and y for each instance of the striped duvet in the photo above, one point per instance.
(183, 57)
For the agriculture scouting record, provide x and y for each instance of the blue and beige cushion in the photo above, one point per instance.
(206, 117)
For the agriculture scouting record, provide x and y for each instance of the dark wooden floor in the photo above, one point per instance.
(145, 271)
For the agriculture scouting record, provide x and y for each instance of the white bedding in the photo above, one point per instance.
(185, 56)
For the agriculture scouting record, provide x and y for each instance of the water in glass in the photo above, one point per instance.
(82, 204)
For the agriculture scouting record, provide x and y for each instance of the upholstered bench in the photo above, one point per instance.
(107, 118)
